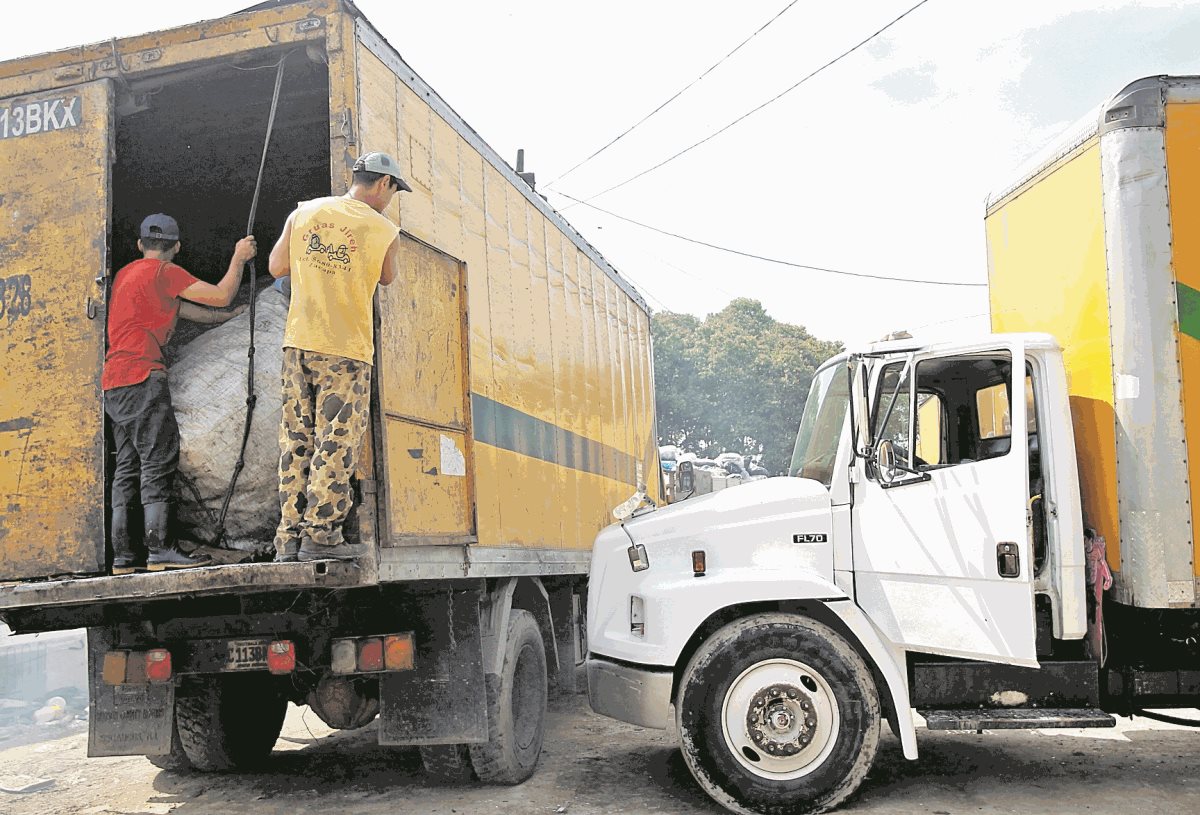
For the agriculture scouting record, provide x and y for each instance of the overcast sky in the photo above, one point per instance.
(878, 165)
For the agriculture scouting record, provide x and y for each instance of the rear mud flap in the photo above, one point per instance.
(126, 720)
(443, 700)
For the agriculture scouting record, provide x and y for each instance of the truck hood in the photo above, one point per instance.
(770, 510)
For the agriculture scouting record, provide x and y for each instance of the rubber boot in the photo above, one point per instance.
(163, 552)
(124, 559)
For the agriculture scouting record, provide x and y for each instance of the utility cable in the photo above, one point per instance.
(677, 94)
(251, 397)
(749, 113)
(770, 259)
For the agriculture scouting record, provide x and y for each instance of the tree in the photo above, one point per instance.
(736, 381)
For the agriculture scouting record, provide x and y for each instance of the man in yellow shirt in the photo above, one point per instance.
(336, 251)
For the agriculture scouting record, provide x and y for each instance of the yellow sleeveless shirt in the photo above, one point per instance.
(336, 255)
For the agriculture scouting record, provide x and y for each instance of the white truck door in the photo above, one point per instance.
(941, 555)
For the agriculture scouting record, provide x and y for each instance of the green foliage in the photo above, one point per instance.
(736, 381)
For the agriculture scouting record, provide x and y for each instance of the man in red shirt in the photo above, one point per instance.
(148, 296)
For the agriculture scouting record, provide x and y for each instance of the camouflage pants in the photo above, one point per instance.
(326, 408)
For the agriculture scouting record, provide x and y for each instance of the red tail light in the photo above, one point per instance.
(158, 665)
(281, 657)
(370, 655)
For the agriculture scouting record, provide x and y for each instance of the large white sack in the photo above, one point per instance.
(208, 389)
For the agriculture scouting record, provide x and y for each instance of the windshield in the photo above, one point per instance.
(821, 426)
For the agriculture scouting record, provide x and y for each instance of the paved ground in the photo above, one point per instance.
(593, 765)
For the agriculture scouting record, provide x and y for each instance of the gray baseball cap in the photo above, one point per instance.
(159, 226)
(381, 163)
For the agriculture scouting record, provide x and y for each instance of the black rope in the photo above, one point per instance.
(251, 397)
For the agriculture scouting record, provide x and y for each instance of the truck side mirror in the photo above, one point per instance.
(687, 478)
(885, 461)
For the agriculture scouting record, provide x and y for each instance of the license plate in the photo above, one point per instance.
(246, 655)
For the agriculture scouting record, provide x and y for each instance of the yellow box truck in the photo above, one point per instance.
(512, 403)
(1098, 243)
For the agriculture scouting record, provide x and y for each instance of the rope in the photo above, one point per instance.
(251, 397)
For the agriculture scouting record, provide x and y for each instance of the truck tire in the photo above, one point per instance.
(229, 721)
(176, 760)
(777, 714)
(516, 707)
(448, 763)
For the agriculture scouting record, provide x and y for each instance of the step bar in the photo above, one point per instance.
(1016, 718)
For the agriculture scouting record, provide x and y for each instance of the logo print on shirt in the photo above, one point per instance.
(341, 254)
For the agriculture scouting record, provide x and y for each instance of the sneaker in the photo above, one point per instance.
(343, 551)
(172, 558)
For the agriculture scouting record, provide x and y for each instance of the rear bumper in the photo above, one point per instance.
(630, 693)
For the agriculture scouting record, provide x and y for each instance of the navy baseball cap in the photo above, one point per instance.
(159, 226)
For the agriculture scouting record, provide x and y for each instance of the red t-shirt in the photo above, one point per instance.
(142, 311)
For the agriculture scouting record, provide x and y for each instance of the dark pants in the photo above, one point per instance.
(147, 441)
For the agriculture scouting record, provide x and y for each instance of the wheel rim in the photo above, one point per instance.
(525, 699)
(780, 719)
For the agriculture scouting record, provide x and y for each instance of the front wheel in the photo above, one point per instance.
(778, 714)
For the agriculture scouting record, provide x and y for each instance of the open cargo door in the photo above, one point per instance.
(422, 384)
(55, 150)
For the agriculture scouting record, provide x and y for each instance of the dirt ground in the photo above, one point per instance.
(593, 765)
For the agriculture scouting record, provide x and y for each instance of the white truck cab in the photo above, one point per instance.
(931, 523)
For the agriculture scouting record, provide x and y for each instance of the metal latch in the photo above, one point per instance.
(1008, 560)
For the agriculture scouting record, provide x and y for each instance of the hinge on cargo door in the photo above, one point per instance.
(346, 128)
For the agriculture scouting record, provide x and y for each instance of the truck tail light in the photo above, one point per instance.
(364, 655)
(158, 665)
(370, 655)
(136, 667)
(113, 671)
(344, 656)
(281, 657)
(398, 652)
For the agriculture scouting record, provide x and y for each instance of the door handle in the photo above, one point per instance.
(1008, 560)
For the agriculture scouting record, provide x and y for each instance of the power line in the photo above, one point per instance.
(769, 259)
(746, 115)
(678, 93)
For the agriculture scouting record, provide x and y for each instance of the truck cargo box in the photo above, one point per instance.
(1098, 243)
(513, 400)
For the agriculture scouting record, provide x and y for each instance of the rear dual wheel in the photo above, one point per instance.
(778, 715)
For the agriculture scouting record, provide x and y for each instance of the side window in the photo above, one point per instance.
(961, 412)
(890, 414)
(931, 448)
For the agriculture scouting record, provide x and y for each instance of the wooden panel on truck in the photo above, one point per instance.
(1183, 174)
(422, 372)
(54, 158)
(1047, 272)
(559, 426)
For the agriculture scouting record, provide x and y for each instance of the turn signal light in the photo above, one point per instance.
(699, 563)
(113, 671)
(398, 652)
(370, 655)
(158, 665)
(136, 667)
(281, 657)
(392, 652)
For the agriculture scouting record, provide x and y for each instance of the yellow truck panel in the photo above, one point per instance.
(54, 155)
(497, 346)
(1058, 224)
(1096, 243)
(1183, 173)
